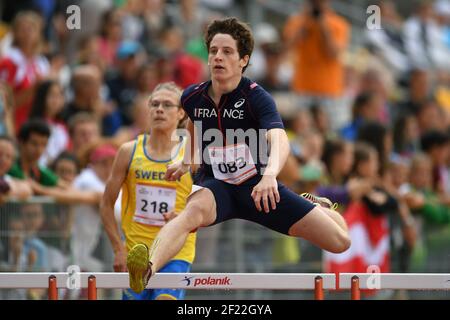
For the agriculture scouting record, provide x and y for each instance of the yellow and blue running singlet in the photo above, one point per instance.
(145, 197)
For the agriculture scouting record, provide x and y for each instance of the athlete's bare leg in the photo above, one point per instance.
(323, 227)
(329, 208)
(337, 217)
(200, 211)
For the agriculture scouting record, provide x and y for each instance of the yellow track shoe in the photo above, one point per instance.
(322, 201)
(139, 267)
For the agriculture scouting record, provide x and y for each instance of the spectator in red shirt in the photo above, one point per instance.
(22, 67)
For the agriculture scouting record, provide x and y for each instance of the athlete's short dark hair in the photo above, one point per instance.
(238, 30)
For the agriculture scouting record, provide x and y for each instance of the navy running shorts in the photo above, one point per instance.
(235, 202)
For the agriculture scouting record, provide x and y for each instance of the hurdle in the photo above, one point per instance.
(190, 281)
(356, 282)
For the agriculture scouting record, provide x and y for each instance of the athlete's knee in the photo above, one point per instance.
(201, 210)
(340, 243)
(198, 214)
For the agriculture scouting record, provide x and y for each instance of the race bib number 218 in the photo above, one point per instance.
(152, 202)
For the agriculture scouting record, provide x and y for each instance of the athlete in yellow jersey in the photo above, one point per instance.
(148, 200)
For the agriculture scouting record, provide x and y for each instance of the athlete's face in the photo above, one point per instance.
(223, 58)
(165, 112)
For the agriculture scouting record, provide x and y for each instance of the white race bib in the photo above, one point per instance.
(151, 202)
(232, 164)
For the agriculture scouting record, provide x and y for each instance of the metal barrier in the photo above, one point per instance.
(233, 281)
(190, 281)
(405, 281)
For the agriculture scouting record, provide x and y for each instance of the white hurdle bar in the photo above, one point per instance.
(407, 281)
(225, 281)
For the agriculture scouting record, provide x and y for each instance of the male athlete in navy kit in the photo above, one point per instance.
(238, 124)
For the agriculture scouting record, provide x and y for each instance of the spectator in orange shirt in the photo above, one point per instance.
(317, 37)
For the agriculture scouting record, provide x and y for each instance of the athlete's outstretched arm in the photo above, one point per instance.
(113, 186)
(267, 188)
